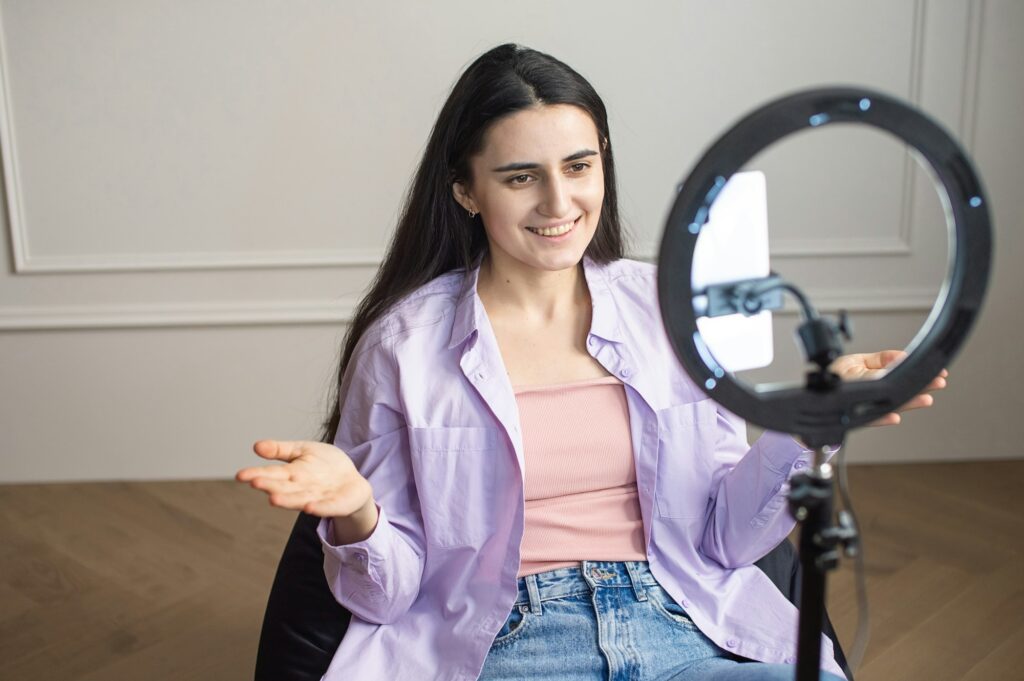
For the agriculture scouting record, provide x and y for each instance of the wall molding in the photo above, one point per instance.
(810, 247)
(972, 73)
(8, 161)
(144, 262)
(340, 311)
(128, 316)
(898, 244)
(25, 262)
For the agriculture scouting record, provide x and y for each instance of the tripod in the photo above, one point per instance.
(811, 500)
(811, 503)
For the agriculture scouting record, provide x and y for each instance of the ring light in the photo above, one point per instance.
(822, 412)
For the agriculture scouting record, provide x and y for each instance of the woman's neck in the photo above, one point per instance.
(532, 294)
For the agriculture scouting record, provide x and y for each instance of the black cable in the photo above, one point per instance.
(860, 642)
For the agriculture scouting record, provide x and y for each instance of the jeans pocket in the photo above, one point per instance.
(513, 627)
(668, 608)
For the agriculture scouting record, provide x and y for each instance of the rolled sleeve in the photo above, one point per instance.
(750, 512)
(377, 578)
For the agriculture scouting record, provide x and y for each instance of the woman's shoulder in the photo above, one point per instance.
(627, 275)
(625, 269)
(423, 309)
(631, 288)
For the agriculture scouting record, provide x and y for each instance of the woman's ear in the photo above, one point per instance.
(461, 193)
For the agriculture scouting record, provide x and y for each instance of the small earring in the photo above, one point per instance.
(472, 213)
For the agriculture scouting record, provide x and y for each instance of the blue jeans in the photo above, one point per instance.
(611, 621)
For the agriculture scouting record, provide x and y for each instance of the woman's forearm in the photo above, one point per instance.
(356, 527)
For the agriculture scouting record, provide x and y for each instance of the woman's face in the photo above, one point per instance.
(538, 184)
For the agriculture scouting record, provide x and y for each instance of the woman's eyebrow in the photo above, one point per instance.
(530, 165)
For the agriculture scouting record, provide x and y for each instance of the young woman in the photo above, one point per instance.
(522, 482)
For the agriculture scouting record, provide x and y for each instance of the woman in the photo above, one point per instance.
(523, 483)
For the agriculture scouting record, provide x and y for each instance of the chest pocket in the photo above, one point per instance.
(686, 441)
(455, 478)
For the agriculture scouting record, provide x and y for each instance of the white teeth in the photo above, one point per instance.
(553, 231)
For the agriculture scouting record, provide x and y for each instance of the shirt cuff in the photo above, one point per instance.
(785, 455)
(358, 555)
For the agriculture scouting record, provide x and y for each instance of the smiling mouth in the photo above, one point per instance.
(557, 230)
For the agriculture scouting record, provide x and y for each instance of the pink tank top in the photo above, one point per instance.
(581, 498)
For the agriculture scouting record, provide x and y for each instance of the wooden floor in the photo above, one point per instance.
(162, 581)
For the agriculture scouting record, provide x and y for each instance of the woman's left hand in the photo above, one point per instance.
(866, 366)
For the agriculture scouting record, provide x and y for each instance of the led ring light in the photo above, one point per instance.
(823, 416)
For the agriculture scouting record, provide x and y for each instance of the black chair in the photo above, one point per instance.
(303, 624)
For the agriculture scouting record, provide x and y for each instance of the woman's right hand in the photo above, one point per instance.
(319, 479)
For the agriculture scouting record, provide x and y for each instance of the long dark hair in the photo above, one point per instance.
(435, 234)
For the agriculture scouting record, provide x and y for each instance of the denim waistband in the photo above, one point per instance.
(591, 574)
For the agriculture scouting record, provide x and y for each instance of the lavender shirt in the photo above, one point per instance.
(429, 416)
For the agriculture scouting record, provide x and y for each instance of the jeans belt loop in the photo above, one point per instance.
(635, 579)
(534, 592)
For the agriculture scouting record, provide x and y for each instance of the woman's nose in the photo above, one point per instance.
(556, 201)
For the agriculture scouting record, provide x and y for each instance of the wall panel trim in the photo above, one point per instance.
(142, 262)
(285, 312)
(8, 163)
(292, 312)
(27, 263)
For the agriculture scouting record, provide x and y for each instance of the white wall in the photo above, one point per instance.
(196, 194)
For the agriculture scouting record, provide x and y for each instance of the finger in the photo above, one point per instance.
(938, 383)
(871, 374)
(885, 359)
(273, 472)
(917, 402)
(276, 486)
(891, 419)
(291, 500)
(281, 450)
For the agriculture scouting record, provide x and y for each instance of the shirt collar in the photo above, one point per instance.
(605, 319)
(469, 311)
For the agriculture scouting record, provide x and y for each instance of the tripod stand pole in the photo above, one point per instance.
(811, 502)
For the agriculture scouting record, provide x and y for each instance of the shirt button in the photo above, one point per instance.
(790, 660)
(592, 342)
(685, 604)
(480, 375)
(800, 463)
(624, 372)
(731, 643)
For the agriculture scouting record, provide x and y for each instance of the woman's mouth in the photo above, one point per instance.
(555, 230)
